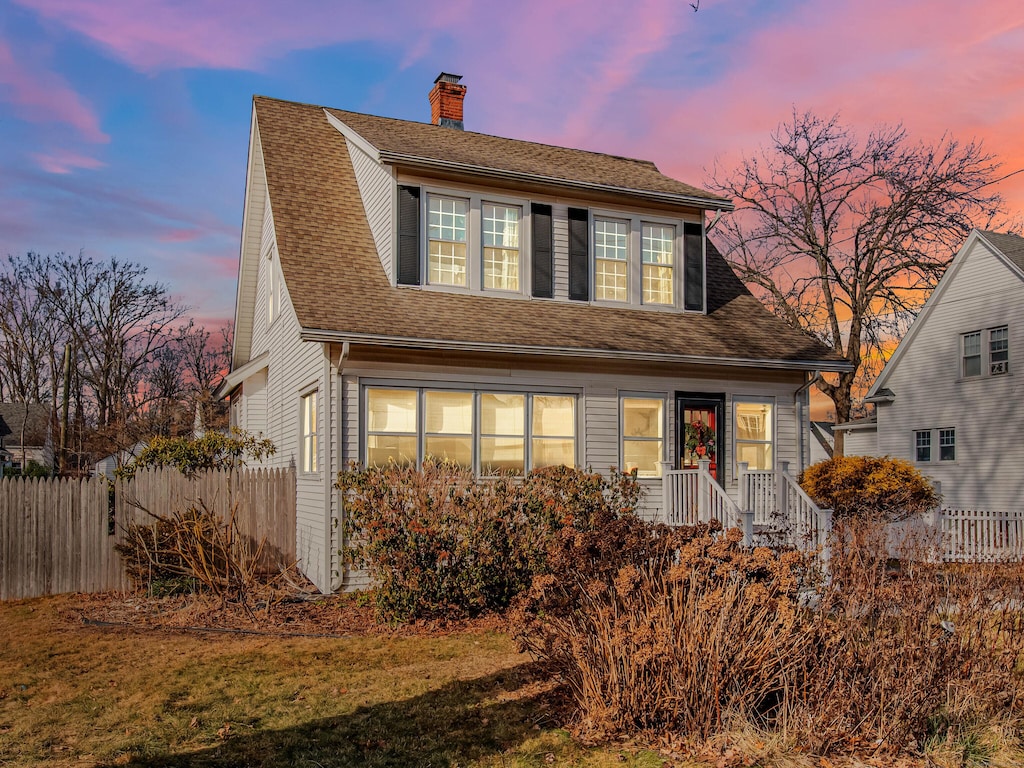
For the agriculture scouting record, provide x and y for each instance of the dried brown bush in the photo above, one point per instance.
(686, 634)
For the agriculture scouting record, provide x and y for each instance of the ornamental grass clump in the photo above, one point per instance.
(439, 543)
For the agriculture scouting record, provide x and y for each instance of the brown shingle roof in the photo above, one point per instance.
(36, 421)
(1012, 246)
(337, 285)
(425, 141)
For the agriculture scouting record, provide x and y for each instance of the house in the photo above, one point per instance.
(861, 436)
(412, 288)
(948, 399)
(822, 441)
(25, 435)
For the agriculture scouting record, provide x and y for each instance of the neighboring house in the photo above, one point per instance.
(30, 423)
(949, 398)
(861, 436)
(413, 288)
(108, 465)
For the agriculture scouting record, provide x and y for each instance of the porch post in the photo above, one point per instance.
(668, 502)
(782, 494)
(703, 491)
(741, 477)
(937, 526)
(824, 533)
(747, 517)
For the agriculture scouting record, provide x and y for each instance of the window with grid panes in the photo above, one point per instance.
(923, 445)
(611, 260)
(446, 231)
(999, 351)
(658, 263)
(501, 224)
(947, 444)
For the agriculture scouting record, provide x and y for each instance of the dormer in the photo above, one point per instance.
(463, 212)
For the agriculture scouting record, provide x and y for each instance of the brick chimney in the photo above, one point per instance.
(446, 101)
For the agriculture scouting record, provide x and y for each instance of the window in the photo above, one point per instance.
(392, 431)
(446, 230)
(501, 246)
(310, 443)
(754, 434)
(923, 445)
(490, 432)
(643, 435)
(947, 444)
(611, 260)
(658, 262)
(998, 350)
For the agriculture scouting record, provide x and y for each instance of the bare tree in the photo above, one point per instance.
(846, 238)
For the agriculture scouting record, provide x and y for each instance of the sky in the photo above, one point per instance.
(124, 123)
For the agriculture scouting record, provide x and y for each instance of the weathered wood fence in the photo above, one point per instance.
(58, 535)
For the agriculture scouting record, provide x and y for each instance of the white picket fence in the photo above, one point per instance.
(980, 535)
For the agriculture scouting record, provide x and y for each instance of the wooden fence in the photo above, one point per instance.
(58, 535)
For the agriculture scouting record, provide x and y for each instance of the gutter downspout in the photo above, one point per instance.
(798, 403)
(332, 379)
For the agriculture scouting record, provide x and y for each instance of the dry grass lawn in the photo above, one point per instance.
(78, 695)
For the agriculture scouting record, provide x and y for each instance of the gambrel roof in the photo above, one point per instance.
(340, 291)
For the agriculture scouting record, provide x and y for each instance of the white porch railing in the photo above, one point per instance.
(980, 535)
(693, 496)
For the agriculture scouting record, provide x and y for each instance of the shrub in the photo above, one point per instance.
(192, 455)
(883, 488)
(439, 543)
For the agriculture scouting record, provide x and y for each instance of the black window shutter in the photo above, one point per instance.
(543, 281)
(693, 265)
(579, 254)
(408, 235)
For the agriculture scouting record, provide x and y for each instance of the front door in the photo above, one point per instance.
(700, 430)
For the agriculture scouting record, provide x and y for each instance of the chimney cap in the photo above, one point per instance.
(447, 77)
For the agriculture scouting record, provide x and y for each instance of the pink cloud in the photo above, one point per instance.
(181, 235)
(64, 161)
(41, 96)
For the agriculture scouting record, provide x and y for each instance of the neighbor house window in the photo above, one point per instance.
(643, 435)
(310, 442)
(488, 432)
(998, 351)
(923, 445)
(755, 435)
(658, 263)
(392, 427)
(971, 354)
(501, 246)
(611, 260)
(446, 231)
(947, 445)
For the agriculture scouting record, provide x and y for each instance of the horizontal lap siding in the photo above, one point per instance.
(376, 188)
(560, 250)
(929, 393)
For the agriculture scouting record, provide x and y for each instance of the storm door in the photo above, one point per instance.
(700, 431)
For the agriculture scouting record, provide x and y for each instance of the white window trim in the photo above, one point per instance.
(934, 436)
(307, 396)
(637, 395)
(985, 353)
(476, 389)
(774, 442)
(475, 240)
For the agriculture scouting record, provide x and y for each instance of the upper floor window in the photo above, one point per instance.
(658, 262)
(611, 260)
(977, 345)
(446, 230)
(501, 246)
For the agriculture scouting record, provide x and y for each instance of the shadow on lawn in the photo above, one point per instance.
(452, 725)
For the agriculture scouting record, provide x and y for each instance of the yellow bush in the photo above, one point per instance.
(869, 487)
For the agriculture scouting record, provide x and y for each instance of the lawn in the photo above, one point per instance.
(73, 694)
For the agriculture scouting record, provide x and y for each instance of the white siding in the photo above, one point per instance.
(376, 188)
(256, 204)
(861, 442)
(930, 394)
(560, 249)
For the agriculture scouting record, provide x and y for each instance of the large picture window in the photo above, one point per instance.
(755, 434)
(643, 435)
(486, 431)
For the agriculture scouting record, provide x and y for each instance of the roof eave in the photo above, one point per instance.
(434, 164)
(336, 337)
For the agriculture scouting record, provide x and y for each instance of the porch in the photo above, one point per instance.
(772, 509)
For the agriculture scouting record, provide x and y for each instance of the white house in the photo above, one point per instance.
(949, 398)
(411, 288)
